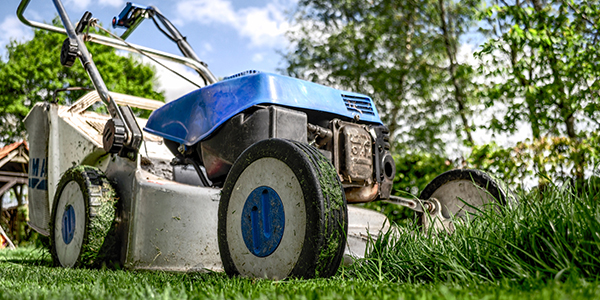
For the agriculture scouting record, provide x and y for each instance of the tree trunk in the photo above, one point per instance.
(566, 112)
(459, 96)
(18, 217)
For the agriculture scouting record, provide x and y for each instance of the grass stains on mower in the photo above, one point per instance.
(259, 169)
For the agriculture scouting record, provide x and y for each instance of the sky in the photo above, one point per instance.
(231, 36)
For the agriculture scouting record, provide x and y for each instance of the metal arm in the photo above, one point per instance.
(108, 41)
(133, 14)
(87, 62)
(416, 205)
(176, 36)
(121, 134)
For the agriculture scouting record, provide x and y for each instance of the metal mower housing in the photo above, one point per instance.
(213, 125)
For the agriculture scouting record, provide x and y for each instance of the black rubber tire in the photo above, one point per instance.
(99, 242)
(326, 214)
(496, 188)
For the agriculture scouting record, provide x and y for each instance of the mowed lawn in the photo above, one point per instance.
(548, 247)
(27, 274)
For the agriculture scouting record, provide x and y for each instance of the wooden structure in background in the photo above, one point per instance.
(14, 164)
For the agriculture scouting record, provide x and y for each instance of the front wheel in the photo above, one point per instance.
(282, 213)
(82, 223)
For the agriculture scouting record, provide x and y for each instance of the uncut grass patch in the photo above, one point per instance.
(553, 235)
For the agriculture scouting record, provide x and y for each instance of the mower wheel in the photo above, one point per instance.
(463, 192)
(82, 229)
(282, 213)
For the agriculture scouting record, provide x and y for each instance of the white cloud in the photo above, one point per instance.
(465, 54)
(13, 29)
(78, 4)
(207, 11)
(264, 26)
(81, 5)
(112, 3)
(258, 57)
(207, 47)
(173, 85)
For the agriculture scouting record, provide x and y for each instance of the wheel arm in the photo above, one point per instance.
(416, 205)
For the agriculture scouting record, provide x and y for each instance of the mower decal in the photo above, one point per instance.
(68, 224)
(263, 221)
(38, 174)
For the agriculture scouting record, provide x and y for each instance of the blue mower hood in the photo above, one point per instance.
(196, 115)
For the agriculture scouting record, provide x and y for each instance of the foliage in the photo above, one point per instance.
(543, 61)
(555, 156)
(33, 72)
(20, 233)
(551, 235)
(414, 170)
(538, 69)
(401, 53)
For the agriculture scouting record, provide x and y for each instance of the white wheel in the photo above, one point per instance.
(464, 192)
(282, 213)
(82, 228)
(69, 220)
(461, 197)
(272, 220)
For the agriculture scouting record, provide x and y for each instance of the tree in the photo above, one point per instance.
(33, 72)
(401, 53)
(540, 66)
(543, 62)
(453, 20)
(404, 54)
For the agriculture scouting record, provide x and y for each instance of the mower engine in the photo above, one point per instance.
(211, 127)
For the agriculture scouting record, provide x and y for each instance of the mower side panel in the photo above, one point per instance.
(165, 225)
(37, 123)
(58, 140)
(196, 115)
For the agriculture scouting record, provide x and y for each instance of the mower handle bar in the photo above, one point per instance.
(85, 58)
(112, 42)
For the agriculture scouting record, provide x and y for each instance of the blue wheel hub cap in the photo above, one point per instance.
(68, 224)
(263, 221)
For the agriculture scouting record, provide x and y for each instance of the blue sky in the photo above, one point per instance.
(230, 35)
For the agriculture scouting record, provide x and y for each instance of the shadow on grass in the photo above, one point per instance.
(33, 262)
(27, 256)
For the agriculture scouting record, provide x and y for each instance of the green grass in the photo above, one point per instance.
(553, 235)
(546, 248)
(26, 274)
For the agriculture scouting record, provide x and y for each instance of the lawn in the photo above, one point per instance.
(546, 248)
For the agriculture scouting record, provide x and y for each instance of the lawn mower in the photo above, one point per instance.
(252, 174)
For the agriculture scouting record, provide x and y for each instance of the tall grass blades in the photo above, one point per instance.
(554, 234)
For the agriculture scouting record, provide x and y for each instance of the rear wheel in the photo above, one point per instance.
(282, 213)
(464, 192)
(83, 214)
